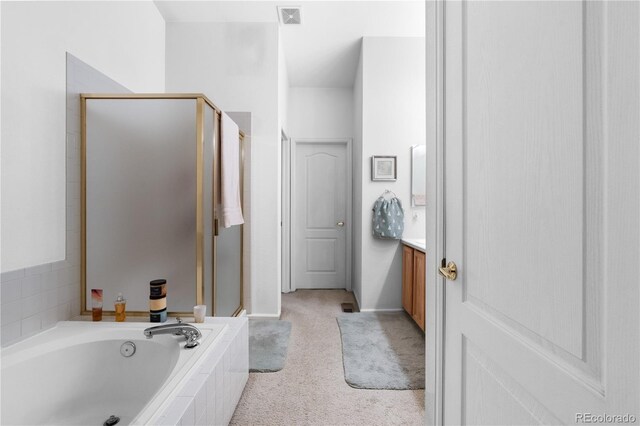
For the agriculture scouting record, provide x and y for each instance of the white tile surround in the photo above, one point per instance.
(34, 299)
(212, 393)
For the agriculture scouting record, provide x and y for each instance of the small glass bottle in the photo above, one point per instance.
(120, 306)
(96, 304)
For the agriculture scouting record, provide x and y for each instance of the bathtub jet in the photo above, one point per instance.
(190, 332)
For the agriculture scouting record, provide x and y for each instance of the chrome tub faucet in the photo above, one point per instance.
(190, 332)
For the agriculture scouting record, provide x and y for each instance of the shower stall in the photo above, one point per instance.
(150, 184)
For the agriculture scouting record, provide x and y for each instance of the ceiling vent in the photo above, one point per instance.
(290, 15)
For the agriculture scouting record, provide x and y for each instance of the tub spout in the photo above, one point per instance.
(190, 332)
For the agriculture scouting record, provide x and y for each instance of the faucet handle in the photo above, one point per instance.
(179, 320)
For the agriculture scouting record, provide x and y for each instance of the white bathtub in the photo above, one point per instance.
(74, 374)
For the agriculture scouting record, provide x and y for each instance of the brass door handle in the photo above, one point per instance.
(341, 223)
(450, 271)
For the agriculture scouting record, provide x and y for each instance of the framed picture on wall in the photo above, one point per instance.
(383, 168)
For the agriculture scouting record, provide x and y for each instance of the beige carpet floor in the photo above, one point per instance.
(311, 389)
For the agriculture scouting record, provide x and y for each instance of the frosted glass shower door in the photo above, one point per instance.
(141, 193)
(229, 255)
(228, 271)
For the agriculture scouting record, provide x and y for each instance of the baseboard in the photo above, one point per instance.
(359, 309)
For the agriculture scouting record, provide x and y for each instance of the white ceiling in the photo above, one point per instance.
(324, 50)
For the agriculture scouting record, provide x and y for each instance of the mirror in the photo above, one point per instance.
(418, 175)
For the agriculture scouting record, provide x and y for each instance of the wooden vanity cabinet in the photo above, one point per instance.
(407, 279)
(418, 287)
(413, 283)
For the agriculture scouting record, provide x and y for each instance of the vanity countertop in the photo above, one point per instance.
(416, 243)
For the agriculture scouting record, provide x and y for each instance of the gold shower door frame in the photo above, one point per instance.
(200, 120)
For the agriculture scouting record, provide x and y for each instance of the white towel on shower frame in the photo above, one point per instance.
(230, 172)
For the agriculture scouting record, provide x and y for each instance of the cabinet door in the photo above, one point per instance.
(418, 287)
(407, 279)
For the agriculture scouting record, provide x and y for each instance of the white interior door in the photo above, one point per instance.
(320, 186)
(542, 211)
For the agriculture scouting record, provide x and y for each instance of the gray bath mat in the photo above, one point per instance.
(268, 342)
(382, 351)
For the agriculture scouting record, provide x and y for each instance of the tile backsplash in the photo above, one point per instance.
(33, 299)
(36, 298)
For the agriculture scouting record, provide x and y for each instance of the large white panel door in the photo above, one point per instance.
(542, 211)
(319, 185)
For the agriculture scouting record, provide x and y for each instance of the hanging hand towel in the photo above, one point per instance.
(388, 218)
(230, 172)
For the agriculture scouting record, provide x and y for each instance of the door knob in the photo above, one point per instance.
(450, 271)
(341, 223)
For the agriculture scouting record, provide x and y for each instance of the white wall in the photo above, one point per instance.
(283, 119)
(36, 297)
(236, 65)
(356, 274)
(124, 40)
(393, 119)
(320, 112)
(283, 87)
